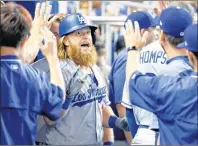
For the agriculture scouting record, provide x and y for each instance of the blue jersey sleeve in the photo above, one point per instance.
(117, 79)
(111, 85)
(141, 90)
(51, 97)
(158, 93)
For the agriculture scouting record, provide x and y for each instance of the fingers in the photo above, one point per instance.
(42, 10)
(47, 12)
(129, 27)
(37, 10)
(137, 30)
(47, 34)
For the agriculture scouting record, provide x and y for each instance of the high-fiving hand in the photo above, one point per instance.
(34, 43)
(133, 36)
(49, 48)
(42, 13)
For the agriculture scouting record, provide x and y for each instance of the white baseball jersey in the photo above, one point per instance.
(152, 59)
(82, 125)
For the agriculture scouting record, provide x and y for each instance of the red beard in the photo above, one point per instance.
(81, 58)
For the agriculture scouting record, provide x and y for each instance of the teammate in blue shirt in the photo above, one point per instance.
(172, 98)
(26, 92)
(117, 75)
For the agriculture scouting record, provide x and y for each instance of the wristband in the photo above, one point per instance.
(112, 121)
(66, 104)
(108, 143)
(132, 48)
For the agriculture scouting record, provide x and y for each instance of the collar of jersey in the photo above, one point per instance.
(185, 58)
(9, 57)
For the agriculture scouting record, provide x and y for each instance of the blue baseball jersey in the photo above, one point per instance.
(25, 93)
(176, 65)
(117, 78)
(174, 100)
(152, 59)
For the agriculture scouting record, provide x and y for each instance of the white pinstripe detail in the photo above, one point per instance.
(17, 60)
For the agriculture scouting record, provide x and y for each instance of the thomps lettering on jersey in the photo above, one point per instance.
(92, 94)
(152, 57)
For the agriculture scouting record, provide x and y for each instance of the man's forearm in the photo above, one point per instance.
(56, 76)
(131, 65)
(50, 122)
(122, 113)
(108, 136)
(31, 49)
(107, 112)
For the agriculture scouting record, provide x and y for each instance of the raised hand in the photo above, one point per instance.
(42, 13)
(59, 16)
(34, 42)
(160, 6)
(133, 36)
(49, 49)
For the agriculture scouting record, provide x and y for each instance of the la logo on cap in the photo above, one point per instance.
(81, 19)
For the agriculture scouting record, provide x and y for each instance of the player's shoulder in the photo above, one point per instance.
(98, 73)
(182, 83)
(122, 55)
(97, 70)
(68, 68)
(35, 74)
(41, 65)
(120, 60)
(153, 46)
(68, 64)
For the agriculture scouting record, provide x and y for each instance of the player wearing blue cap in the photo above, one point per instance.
(87, 104)
(26, 92)
(178, 59)
(172, 98)
(150, 60)
(173, 21)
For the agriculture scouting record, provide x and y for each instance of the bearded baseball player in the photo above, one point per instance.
(87, 98)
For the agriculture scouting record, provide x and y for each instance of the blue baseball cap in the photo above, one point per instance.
(156, 21)
(144, 19)
(174, 20)
(190, 38)
(74, 22)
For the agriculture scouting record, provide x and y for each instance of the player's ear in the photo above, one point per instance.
(23, 42)
(193, 59)
(65, 41)
(162, 37)
(142, 31)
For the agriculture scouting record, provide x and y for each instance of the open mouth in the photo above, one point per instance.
(85, 45)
